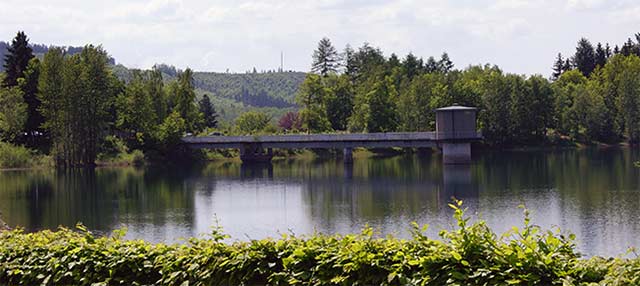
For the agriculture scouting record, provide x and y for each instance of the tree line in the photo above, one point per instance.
(73, 106)
(592, 96)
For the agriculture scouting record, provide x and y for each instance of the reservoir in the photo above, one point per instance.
(593, 193)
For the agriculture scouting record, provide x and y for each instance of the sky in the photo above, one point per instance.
(520, 36)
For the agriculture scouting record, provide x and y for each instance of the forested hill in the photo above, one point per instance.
(234, 93)
(39, 50)
(269, 89)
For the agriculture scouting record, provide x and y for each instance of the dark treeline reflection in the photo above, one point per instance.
(593, 193)
(102, 199)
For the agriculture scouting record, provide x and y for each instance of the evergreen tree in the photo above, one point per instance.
(558, 67)
(393, 61)
(601, 56)
(445, 64)
(431, 65)
(567, 65)
(325, 58)
(585, 59)
(348, 61)
(208, 111)
(629, 48)
(412, 66)
(22, 70)
(607, 51)
(17, 59)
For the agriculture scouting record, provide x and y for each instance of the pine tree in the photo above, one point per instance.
(16, 60)
(607, 51)
(601, 56)
(348, 61)
(412, 66)
(628, 48)
(585, 59)
(325, 59)
(445, 64)
(558, 67)
(208, 111)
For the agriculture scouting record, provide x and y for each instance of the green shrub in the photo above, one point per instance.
(471, 254)
(12, 156)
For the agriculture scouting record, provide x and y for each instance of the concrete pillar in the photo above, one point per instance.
(456, 153)
(348, 171)
(251, 153)
(348, 155)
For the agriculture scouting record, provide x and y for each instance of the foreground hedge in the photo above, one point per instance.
(469, 255)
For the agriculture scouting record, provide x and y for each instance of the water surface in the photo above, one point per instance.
(592, 193)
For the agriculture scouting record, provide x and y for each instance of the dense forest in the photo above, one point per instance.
(593, 96)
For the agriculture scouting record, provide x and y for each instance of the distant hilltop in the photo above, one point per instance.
(39, 50)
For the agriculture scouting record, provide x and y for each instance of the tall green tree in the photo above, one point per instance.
(22, 70)
(629, 97)
(312, 97)
(600, 56)
(445, 64)
(135, 111)
(17, 59)
(208, 111)
(585, 58)
(558, 67)
(77, 92)
(412, 66)
(338, 101)
(374, 106)
(13, 113)
(325, 58)
(155, 89)
(183, 95)
(54, 105)
(415, 105)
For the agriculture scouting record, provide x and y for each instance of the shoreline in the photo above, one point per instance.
(358, 153)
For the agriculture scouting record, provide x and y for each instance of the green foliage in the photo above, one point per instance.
(252, 122)
(13, 113)
(77, 94)
(183, 98)
(312, 97)
(12, 156)
(374, 108)
(469, 254)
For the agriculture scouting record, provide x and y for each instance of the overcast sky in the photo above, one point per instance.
(520, 36)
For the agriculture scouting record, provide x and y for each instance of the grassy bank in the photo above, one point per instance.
(471, 254)
(19, 157)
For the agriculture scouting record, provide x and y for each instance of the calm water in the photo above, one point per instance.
(592, 193)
